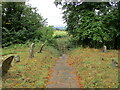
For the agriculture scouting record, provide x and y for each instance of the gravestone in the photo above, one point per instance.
(104, 48)
(32, 50)
(41, 47)
(16, 59)
(6, 64)
(114, 63)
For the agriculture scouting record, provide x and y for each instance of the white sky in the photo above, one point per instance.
(48, 10)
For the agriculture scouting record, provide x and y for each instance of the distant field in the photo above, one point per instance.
(59, 34)
(95, 67)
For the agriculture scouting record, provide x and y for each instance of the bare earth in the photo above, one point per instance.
(63, 76)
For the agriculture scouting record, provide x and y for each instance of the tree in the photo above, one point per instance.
(92, 23)
(19, 22)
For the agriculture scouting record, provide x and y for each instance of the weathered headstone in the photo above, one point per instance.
(16, 59)
(41, 47)
(104, 48)
(6, 64)
(32, 50)
(114, 63)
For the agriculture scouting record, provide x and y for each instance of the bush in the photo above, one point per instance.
(44, 33)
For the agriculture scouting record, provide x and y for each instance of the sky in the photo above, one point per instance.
(48, 10)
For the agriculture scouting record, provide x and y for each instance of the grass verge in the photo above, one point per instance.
(95, 67)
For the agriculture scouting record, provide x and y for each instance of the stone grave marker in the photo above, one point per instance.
(32, 50)
(16, 59)
(41, 47)
(6, 64)
(104, 48)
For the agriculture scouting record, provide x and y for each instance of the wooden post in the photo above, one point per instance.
(32, 50)
(104, 48)
(42, 45)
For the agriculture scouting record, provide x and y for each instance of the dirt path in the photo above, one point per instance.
(63, 76)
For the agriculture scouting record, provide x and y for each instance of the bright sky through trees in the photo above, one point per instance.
(48, 10)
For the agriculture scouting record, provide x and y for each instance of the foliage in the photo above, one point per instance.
(62, 44)
(92, 23)
(44, 33)
(19, 22)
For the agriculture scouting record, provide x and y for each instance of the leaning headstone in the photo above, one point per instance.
(16, 59)
(41, 47)
(6, 64)
(104, 48)
(32, 50)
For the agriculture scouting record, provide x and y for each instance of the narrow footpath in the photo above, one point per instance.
(63, 76)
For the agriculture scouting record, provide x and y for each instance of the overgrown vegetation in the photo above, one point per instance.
(62, 40)
(93, 24)
(95, 67)
(21, 23)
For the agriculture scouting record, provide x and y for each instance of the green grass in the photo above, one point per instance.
(95, 72)
(29, 73)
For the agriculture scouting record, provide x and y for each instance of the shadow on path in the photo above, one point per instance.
(63, 76)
